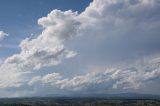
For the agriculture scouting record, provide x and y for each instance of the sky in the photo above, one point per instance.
(59, 47)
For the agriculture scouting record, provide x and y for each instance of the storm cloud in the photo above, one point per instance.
(121, 33)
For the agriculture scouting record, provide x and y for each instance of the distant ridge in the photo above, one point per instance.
(110, 96)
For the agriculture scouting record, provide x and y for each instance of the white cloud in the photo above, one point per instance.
(45, 50)
(2, 35)
(121, 26)
(132, 78)
(70, 54)
(127, 27)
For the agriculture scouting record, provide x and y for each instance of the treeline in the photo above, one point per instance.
(77, 102)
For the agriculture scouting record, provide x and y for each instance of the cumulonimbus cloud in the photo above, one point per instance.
(128, 27)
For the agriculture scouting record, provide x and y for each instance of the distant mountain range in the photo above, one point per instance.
(110, 96)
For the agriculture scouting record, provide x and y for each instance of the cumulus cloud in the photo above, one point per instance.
(45, 50)
(122, 29)
(130, 78)
(2, 35)
(58, 26)
(125, 29)
(128, 28)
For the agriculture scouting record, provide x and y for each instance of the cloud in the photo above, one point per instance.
(2, 35)
(121, 29)
(126, 33)
(125, 78)
(111, 30)
(45, 50)
(138, 76)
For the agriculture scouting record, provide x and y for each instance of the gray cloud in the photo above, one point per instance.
(125, 29)
(109, 31)
(134, 77)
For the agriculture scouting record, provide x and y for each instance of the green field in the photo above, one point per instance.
(76, 102)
